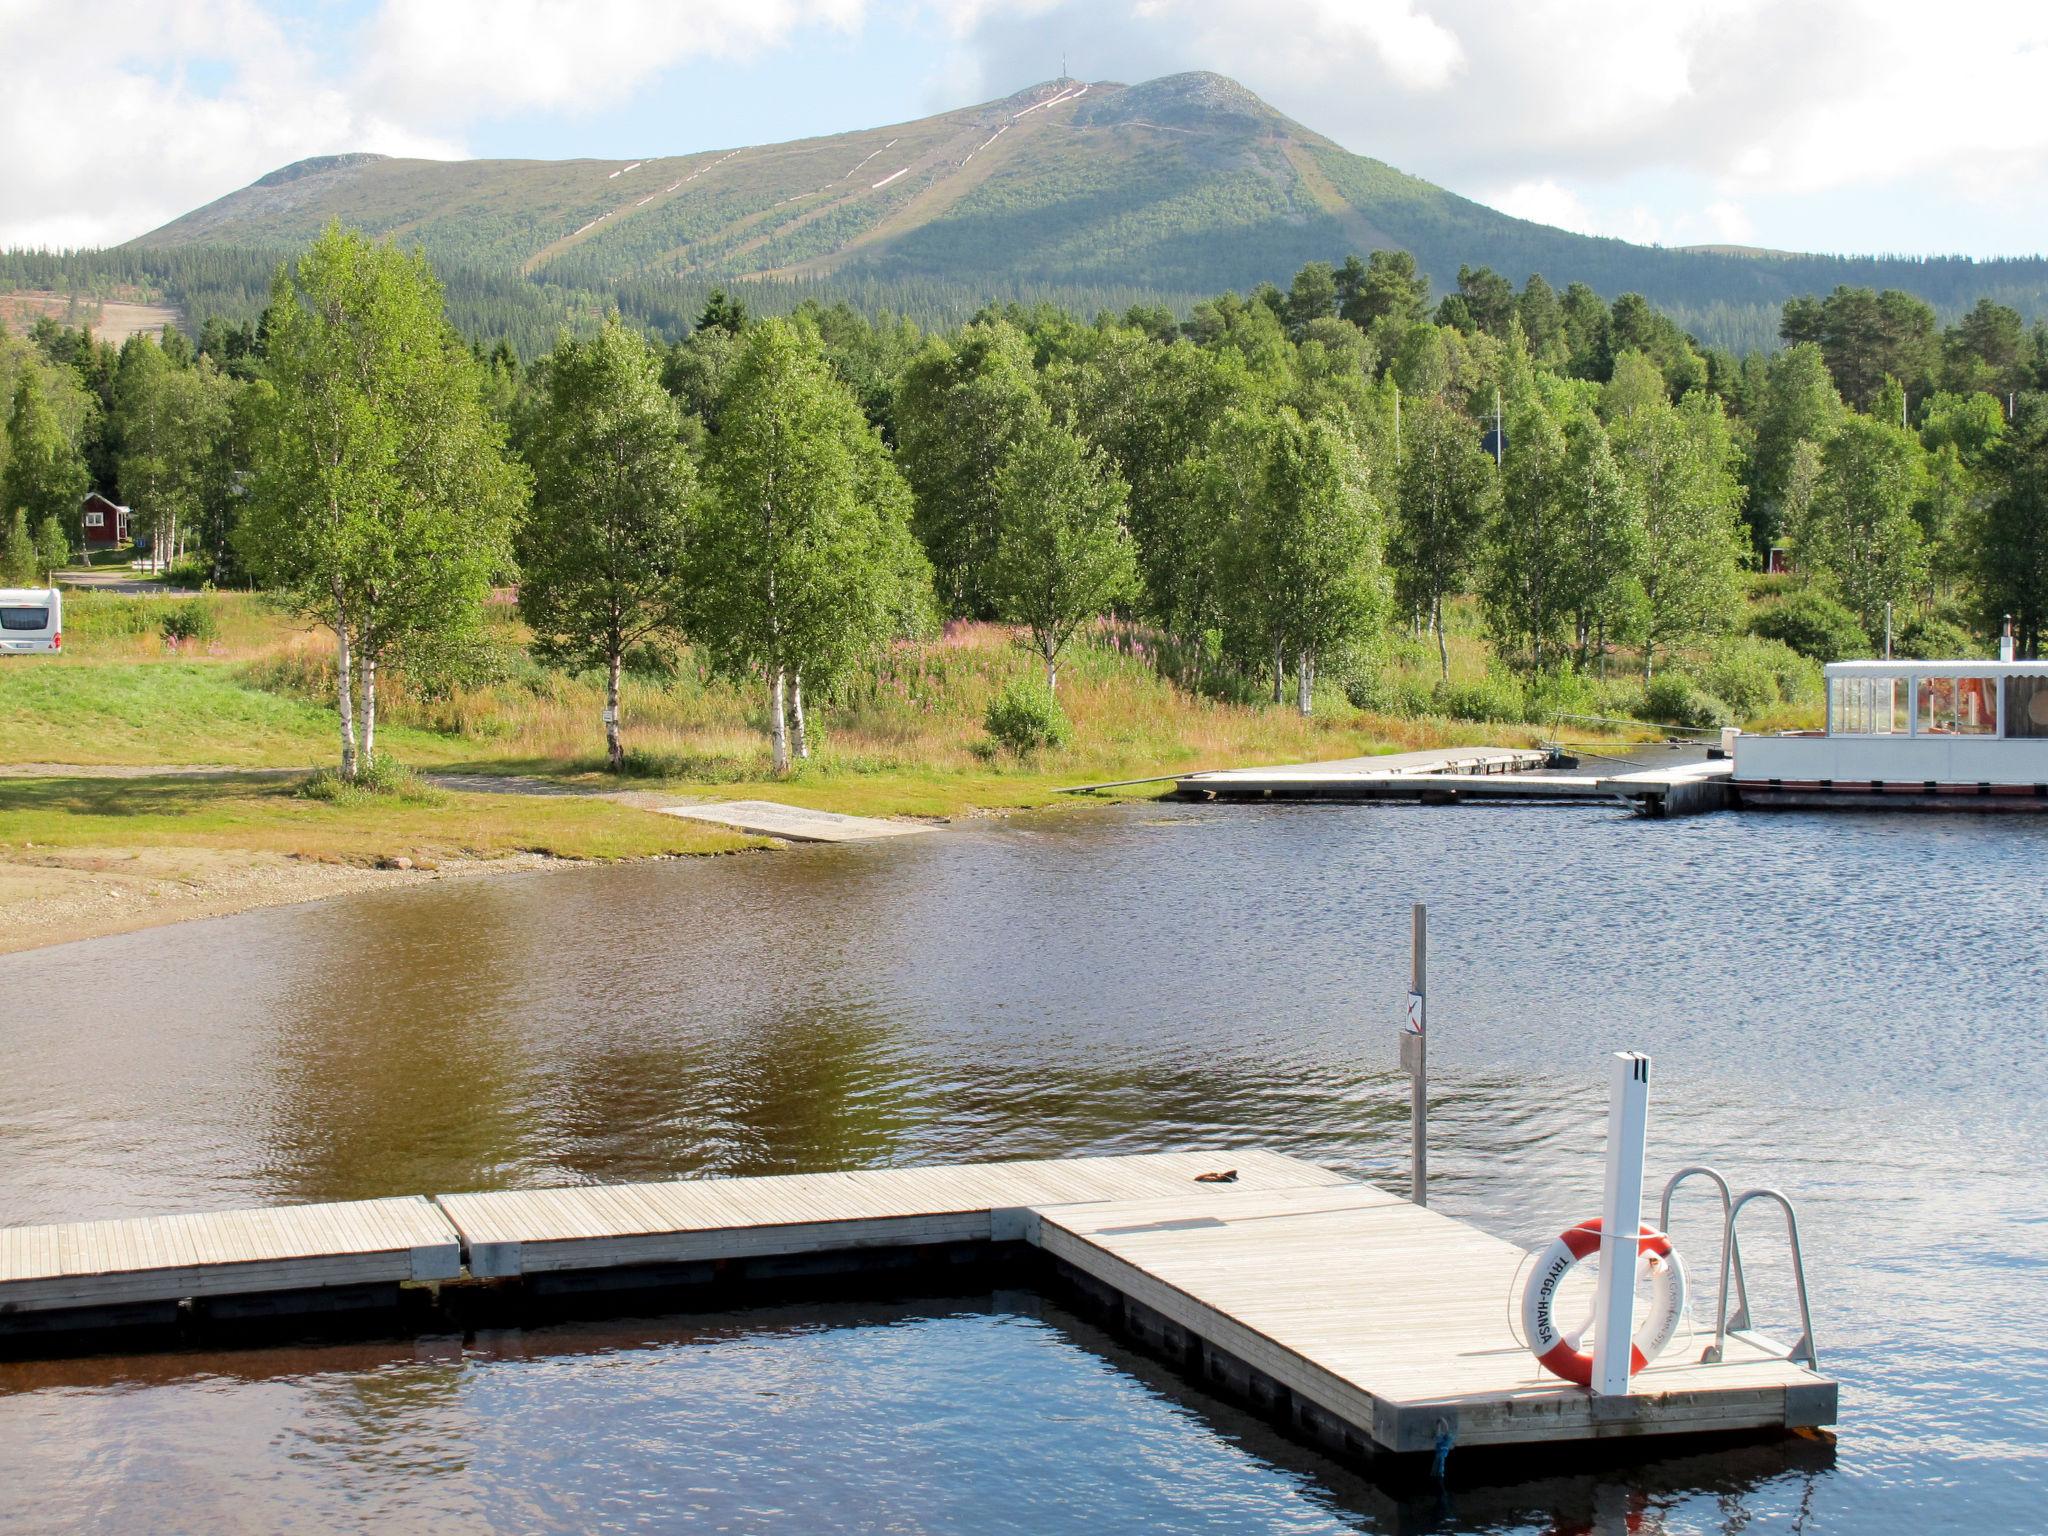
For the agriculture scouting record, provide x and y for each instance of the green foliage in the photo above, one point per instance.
(194, 621)
(1934, 639)
(383, 501)
(1755, 676)
(800, 557)
(1861, 534)
(1498, 698)
(45, 474)
(379, 779)
(1813, 624)
(1447, 489)
(602, 553)
(53, 548)
(1674, 699)
(2011, 563)
(1025, 719)
(1382, 692)
(1062, 555)
(17, 552)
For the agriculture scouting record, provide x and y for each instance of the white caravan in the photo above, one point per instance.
(31, 620)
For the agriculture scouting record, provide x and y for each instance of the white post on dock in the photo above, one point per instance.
(1621, 1215)
(1415, 1058)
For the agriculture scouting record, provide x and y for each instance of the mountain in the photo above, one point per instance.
(1174, 188)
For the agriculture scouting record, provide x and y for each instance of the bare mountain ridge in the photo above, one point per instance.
(1183, 185)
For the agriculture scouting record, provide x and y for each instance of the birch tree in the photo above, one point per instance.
(1681, 462)
(1861, 533)
(382, 499)
(1446, 492)
(601, 557)
(799, 555)
(1062, 554)
(170, 420)
(1300, 542)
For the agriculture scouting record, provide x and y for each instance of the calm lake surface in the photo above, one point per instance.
(1850, 1007)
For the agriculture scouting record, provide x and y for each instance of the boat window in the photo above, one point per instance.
(1976, 706)
(1935, 708)
(2026, 706)
(1866, 706)
(24, 618)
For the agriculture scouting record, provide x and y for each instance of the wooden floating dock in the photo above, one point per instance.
(1466, 775)
(1363, 1322)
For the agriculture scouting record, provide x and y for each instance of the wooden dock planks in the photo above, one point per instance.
(1395, 1320)
(1390, 1320)
(225, 1253)
(587, 1227)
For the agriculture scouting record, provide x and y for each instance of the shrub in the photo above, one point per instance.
(1497, 698)
(189, 571)
(1382, 693)
(1932, 639)
(193, 619)
(1025, 718)
(1743, 680)
(381, 778)
(1561, 692)
(1814, 625)
(1674, 699)
(1755, 676)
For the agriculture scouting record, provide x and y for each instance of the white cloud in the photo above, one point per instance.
(1677, 120)
(1751, 99)
(455, 60)
(106, 134)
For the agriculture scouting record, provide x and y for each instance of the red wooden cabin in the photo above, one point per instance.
(105, 525)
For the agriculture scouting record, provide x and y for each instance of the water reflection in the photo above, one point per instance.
(1848, 1006)
(869, 1416)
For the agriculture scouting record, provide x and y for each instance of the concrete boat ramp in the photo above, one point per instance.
(1368, 1325)
(1467, 775)
(794, 823)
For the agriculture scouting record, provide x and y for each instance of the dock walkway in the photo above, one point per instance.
(1367, 1323)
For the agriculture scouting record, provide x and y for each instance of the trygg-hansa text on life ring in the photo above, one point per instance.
(1557, 1351)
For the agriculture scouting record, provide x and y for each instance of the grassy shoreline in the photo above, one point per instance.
(126, 748)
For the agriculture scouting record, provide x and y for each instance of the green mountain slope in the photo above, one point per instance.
(1180, 186)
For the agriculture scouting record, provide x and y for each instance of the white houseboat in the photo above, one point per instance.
(1949, 735)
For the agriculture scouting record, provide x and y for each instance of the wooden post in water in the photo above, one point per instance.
(1415, 1057)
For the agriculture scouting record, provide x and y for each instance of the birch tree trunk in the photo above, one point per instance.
(1305, 684)
(778, 725)
(1279, 673)
(368, 673)
(345, 700)
(1443, 649)
(796, 702)
(614, 748)
(1052, 673)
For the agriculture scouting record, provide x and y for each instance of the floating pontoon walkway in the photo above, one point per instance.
(1367, 1323)
(1463, 775)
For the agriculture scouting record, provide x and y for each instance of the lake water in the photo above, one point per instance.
(1850, 1007)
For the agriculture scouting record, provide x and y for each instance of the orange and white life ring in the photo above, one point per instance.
(1557, 1351)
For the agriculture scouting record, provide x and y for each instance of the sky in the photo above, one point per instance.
(1823, 125)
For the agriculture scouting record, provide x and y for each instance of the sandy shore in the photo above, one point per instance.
(66, 894)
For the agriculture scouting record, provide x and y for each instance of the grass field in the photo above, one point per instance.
(264, 813)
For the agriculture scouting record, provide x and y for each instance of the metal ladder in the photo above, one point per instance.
(1738, 1322)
